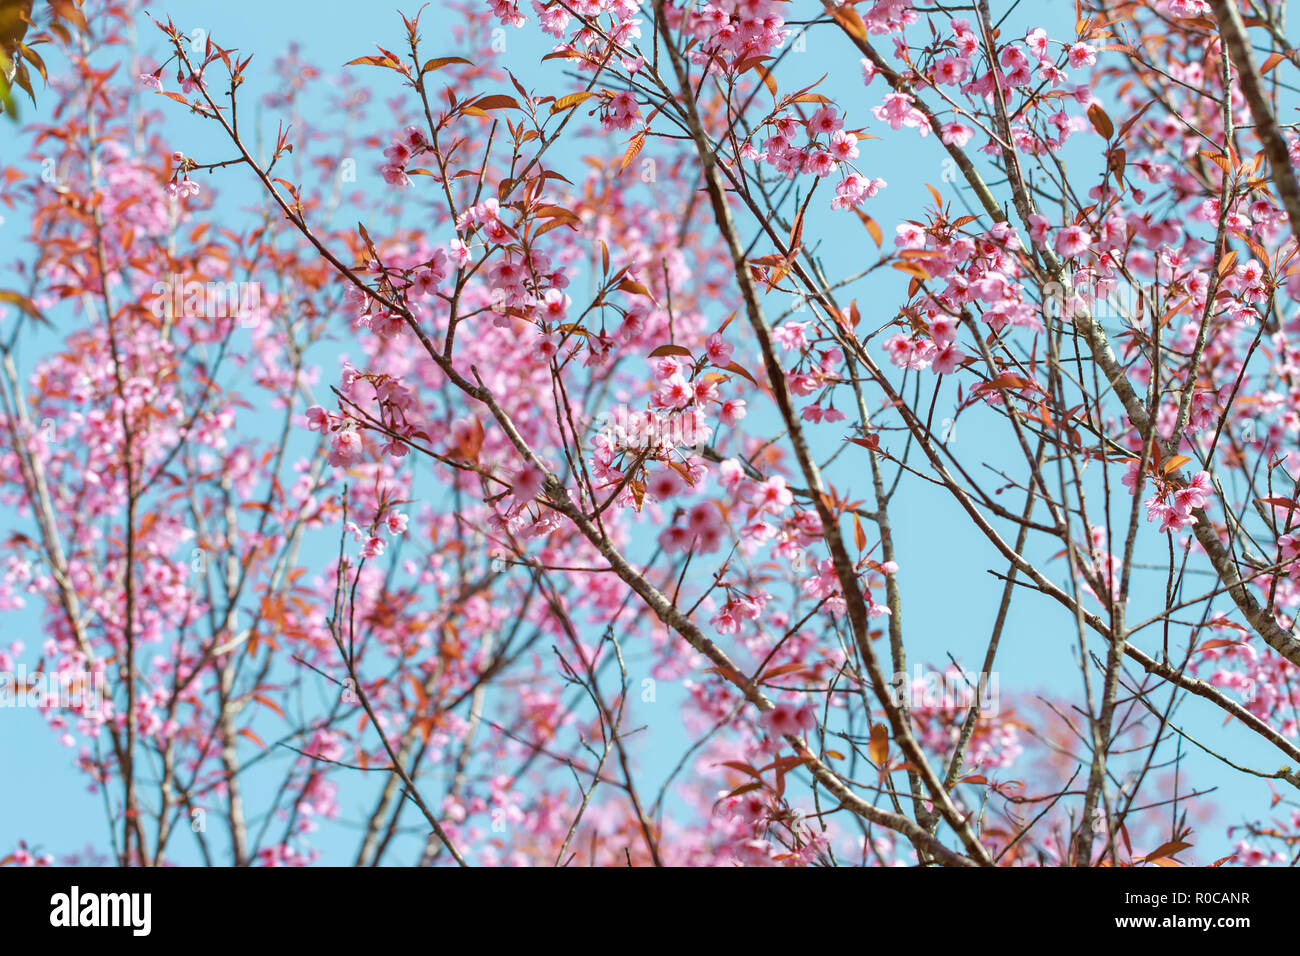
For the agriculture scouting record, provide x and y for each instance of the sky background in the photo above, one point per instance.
(948, 603)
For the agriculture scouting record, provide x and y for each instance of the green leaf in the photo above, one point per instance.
(7, 105)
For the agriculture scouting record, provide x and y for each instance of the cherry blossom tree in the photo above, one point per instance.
(397, 509)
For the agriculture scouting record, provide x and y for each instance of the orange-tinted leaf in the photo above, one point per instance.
(1217, 643)
(497, 101)
(633, 147)
(440, 62)
(24, 304)
(739, 370)
(878, 749)
(873, 228)
(670, 350)
(912, 269)
(1218, 159)
(1271, 62)
(1287, 503)
(1167, 849)
(570, 101)
(385, 61)
(1100, 121)
(635, 288)
(267, 702)
(849, 19)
